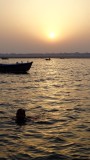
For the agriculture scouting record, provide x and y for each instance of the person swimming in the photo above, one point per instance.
(21, 117)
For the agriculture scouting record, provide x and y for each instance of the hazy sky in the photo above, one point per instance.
(30, 26)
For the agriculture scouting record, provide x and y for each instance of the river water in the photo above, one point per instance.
(57, 92)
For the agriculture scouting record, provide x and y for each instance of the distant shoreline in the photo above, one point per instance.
(44, 55)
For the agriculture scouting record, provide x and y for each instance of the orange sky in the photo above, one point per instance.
(36, 26)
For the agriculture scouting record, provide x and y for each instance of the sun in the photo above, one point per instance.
(52, 35)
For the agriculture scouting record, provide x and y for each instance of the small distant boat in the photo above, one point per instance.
(48, 59)
(17, 68)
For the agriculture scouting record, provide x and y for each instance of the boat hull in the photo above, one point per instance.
(15, 68)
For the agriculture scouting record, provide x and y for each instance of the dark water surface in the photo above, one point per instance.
(58, 93)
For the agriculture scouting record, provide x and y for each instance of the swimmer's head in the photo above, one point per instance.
(20, 116)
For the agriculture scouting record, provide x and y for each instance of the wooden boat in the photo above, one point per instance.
(15, 68)
(48, 59)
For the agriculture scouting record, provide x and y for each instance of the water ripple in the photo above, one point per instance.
(57, 97)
